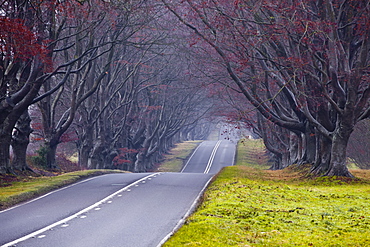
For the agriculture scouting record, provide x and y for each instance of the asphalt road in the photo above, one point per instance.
(137, 209)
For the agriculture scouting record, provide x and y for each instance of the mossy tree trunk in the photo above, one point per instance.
(20, 141)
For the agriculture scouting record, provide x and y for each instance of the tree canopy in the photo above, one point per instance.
(127, 79)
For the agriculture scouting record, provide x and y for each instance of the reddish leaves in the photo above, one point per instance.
(17, 41)
(123, 157)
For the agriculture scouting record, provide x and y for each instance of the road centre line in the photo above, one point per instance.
(63, 221)
(212, 157)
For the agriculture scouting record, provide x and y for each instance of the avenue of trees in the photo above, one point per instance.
(303, 65)
(104, 74)
(125, 80)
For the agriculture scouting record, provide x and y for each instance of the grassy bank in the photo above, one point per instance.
(250, 206)
(31, 187)
(176, 157)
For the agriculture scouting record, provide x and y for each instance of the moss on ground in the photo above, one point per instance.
(249, 206)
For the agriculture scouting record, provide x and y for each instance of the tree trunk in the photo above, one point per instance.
(20, 141)
(5, 140)
(4, 153)
(50, 156)
(138, 162)
(337, 166)
(277, 159)
(323, 155)
(108, 158)
(295, 149)
(308, 145)
(83, 155)
(344, 128)
(19, 154)
(85, 146)
(94, 160)
(51, 147)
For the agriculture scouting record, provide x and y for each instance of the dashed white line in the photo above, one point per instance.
(52, 192)
(63, 221)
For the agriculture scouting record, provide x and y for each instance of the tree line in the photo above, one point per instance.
(126, 79)
(105, 74)
(302, 65)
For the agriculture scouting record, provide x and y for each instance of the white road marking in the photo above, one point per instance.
(182, 170)
(212, 157)
(187, 214)
(38, 232)
(52, 192)
(192, 208)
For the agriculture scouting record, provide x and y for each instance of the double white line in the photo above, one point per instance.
(212, 157)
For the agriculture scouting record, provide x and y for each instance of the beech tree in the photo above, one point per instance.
(303, 65)
(134, 115)
(103, 30)
(20, 141)
(25, 64)
(180, 105)
(104, 125)
(105, 118)
(142, 121)
(51, 47)
(284, 146)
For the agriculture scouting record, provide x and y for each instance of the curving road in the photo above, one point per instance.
(137, 209)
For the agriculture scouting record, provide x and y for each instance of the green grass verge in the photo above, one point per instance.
(248, 206)
(175, 159)
(251, 153)
(35, 186)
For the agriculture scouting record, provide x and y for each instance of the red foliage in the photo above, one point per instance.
(34, 138)
(18, 42)
(124, 156)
